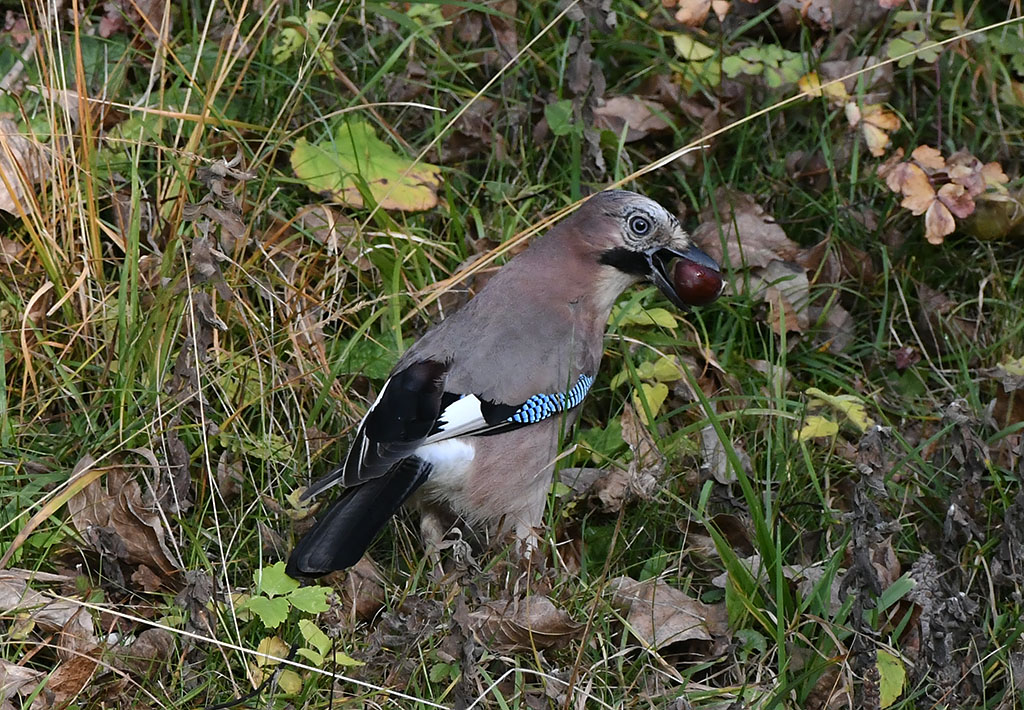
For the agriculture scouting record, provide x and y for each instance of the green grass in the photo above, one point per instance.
(222, 358)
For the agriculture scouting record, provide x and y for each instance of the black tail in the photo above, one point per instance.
(342, 534)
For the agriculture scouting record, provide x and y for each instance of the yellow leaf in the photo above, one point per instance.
(847, 404)
(876, 138)
(260, 666)
(892, 677)
(1014, 367)
(354, 157)
(816, 427)
(654, 395)
(880, 118)
(875, 122)
(690, 49)
(666, 370)
(343, 659)
(271, 646)
(810, 83)
(290, 682)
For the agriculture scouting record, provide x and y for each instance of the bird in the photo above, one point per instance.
(469, 421)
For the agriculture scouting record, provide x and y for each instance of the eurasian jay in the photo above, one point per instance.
(468, 422)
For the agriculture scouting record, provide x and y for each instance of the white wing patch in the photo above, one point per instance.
(461, 416)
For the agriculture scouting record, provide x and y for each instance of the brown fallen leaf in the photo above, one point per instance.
(875, 124)
(19, 596)
(836, 327)
(640, 117)
(145, 655)
(817, 11)
(473, 134)
(714, 459)
(750, 235)
(960, 179)
(141, 18)
(660, 615)
(786, 289)
(905, 357)
(22, 165)
(232, 230)
(693, 13)
(701, 544)
(579, 480)
(643, 474)
(524, 624)
(21, 681)
(70, 678)
(832, 261)
(117, 522)
(363, 589)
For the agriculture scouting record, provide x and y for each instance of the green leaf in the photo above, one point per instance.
(273, 581)
(355, 159)
(315, 636)
(909, 17)
(312, 656)
(312, 600)
(892, 676)
(559, 117)
(440, 672)
(272, 612)
(635, 314)
(288, 43)
(604, 441)
(909, 41)
(752, 640)
(560, 490)
(265, 446)
(664, 369)
(735, 65)
(299, 33)
(368, 357)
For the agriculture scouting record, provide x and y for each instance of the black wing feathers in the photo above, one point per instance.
(342, 534)
(398, 422)
(408, 408)
(394, 427)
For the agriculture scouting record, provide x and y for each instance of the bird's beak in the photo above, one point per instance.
(661, 260)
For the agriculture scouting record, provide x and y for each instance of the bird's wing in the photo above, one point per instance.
(413, 410)
(470, 415)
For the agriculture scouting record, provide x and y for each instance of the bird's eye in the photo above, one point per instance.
(640, 226)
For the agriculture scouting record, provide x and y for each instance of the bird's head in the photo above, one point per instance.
(639, 238)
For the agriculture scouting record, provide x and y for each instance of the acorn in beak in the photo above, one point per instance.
(694, 279)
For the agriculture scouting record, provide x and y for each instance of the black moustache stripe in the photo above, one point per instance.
(627, 260)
